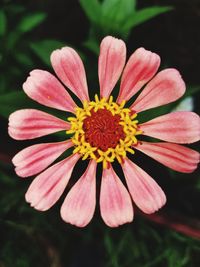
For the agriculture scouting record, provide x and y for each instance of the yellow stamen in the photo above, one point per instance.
(127, 121)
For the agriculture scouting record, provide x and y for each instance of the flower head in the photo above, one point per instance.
(103, 131)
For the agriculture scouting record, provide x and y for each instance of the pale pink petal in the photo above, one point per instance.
(36, 158)
(111, 63)
(146, 193)
(115, 202)
(44, 88)
(166, 87)
(47, 187)
(69, 67)
(79, 205)
(176, 157)
(140, 68)
(177, 127)
(32, 123)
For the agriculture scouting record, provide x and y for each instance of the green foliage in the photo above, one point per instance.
(143, 15)
(192, 90)
(92, 9)
(92, 45)
(29, 22)
(3, 22)
(117, 11)
(115, 17)
(56, 244)
(44, 48)
(161, 248)
(13, 101)
(8, 103)
(16, 56)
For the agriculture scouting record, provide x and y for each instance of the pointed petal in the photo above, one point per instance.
(44, 88)
(146, 193)
(79, 205)
(47, 187)
(111, 63)
(69, 68)
(177, 127)
(140, 68)
(166, 87)
(176, 157)
(31, 123)
(115, 202)
(36, 158)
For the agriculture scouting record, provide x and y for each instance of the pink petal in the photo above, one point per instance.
(32, 123)
(47, 187)
(36, 158)
(69, 67)
(111, 63)
(115, 202)
(79, 205)
(146, 193)
(140, 68)
(176, 157)
(178, 127)
(44, 88)
(166, 87)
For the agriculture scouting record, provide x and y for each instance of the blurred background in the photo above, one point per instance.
(29, 32)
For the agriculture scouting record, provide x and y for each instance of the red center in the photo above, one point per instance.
(102, 129)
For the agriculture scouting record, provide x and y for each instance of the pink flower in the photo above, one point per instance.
(103, 131)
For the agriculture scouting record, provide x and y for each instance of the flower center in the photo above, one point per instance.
(104, 130)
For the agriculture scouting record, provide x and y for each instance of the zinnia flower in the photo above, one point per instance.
(103, 131)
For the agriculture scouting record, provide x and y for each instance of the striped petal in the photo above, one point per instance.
(36, 158)
(31, 123)
(177, 127)
(140, 68)
(79, 205)
(176, 157)
(146, 193)
(47, 187)
(44, 88)
(166, 87)
(115, 202)
(111, 63)
(69, 68)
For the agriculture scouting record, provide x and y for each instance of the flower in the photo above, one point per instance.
(103, 131)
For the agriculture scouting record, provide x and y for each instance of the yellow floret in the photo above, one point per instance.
(128, 122)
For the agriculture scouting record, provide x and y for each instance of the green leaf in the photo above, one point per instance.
(15, 9)
(92, 45)
(192, 90)
(3, 84)
(155, 112)
(10, 102)
(24, 59)
(13, 101)
(2, 23)
(117, 10)
(29, 22)
(143, 15)
(12, 39)
(92, 9)
(44, 48)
